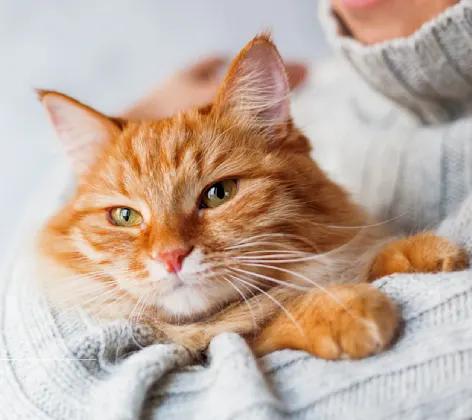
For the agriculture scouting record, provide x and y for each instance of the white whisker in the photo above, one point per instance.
(273, 235)
(245, 301)
(289, 315)
(301, 276)
(255, 244)
(359, 226)
(262, 276)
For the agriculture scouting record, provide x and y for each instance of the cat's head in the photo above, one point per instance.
(189, 213)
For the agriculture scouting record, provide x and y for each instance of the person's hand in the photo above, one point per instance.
(194, 86)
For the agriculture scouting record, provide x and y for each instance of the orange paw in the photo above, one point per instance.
(364, 325)
(423, 253)
(353, 321)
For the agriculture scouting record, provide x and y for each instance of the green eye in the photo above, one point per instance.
(125, 217)
(218, 193)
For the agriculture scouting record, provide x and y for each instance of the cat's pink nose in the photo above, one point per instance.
(173, 260)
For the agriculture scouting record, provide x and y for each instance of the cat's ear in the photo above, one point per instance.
(256, 88)
(80, 129)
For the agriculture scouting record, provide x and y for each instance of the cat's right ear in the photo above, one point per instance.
(80, 129)
(256, 90)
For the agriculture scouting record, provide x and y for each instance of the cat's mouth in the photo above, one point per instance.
(188, 298)
(180, 285)
(176, 283)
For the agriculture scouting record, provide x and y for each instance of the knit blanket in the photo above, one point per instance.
(67, 367)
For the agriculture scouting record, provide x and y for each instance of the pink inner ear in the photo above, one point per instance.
(55, 118)
(54, 111)
(261, 84)
(280, 110)
(80, 129)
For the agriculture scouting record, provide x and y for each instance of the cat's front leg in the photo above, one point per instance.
(422, 253)
(346, 321)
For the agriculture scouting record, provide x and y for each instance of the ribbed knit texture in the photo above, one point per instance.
(403, 149)
(428, 73)
(394, 119)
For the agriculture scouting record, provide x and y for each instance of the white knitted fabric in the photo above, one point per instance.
(408, 158)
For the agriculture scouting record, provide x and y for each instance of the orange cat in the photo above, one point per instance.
(217, 219)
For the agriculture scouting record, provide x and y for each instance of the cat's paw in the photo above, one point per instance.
(361, 321)
(423, 253)
(348, 321)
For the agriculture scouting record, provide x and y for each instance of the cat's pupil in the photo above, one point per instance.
(218, 191)
(126, 213)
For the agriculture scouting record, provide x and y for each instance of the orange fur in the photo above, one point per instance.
(422, 253)
(354, 321)
(269, 263)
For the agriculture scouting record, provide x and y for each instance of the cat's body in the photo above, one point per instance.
(217, 220)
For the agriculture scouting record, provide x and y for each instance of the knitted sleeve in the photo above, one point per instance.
(401, 170)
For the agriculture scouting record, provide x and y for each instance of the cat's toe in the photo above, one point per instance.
(453, 259)
(364, 339)
(364, 324)
(423, 253)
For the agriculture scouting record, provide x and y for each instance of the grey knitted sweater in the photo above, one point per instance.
(393, 121)
(405, 156)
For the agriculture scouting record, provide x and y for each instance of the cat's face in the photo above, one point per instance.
(170, 204)
(187, 214)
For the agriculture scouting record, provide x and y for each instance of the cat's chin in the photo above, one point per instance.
(186, 304)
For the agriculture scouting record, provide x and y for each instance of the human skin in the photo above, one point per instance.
(374, 21)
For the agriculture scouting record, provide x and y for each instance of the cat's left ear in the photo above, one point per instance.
(80, 129)
(256, 89)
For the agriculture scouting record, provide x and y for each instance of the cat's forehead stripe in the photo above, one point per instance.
(168, 163)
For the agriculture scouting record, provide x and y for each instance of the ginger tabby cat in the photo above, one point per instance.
(217, 219)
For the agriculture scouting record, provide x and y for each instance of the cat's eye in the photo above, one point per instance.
(125, 217)
(219, 193)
